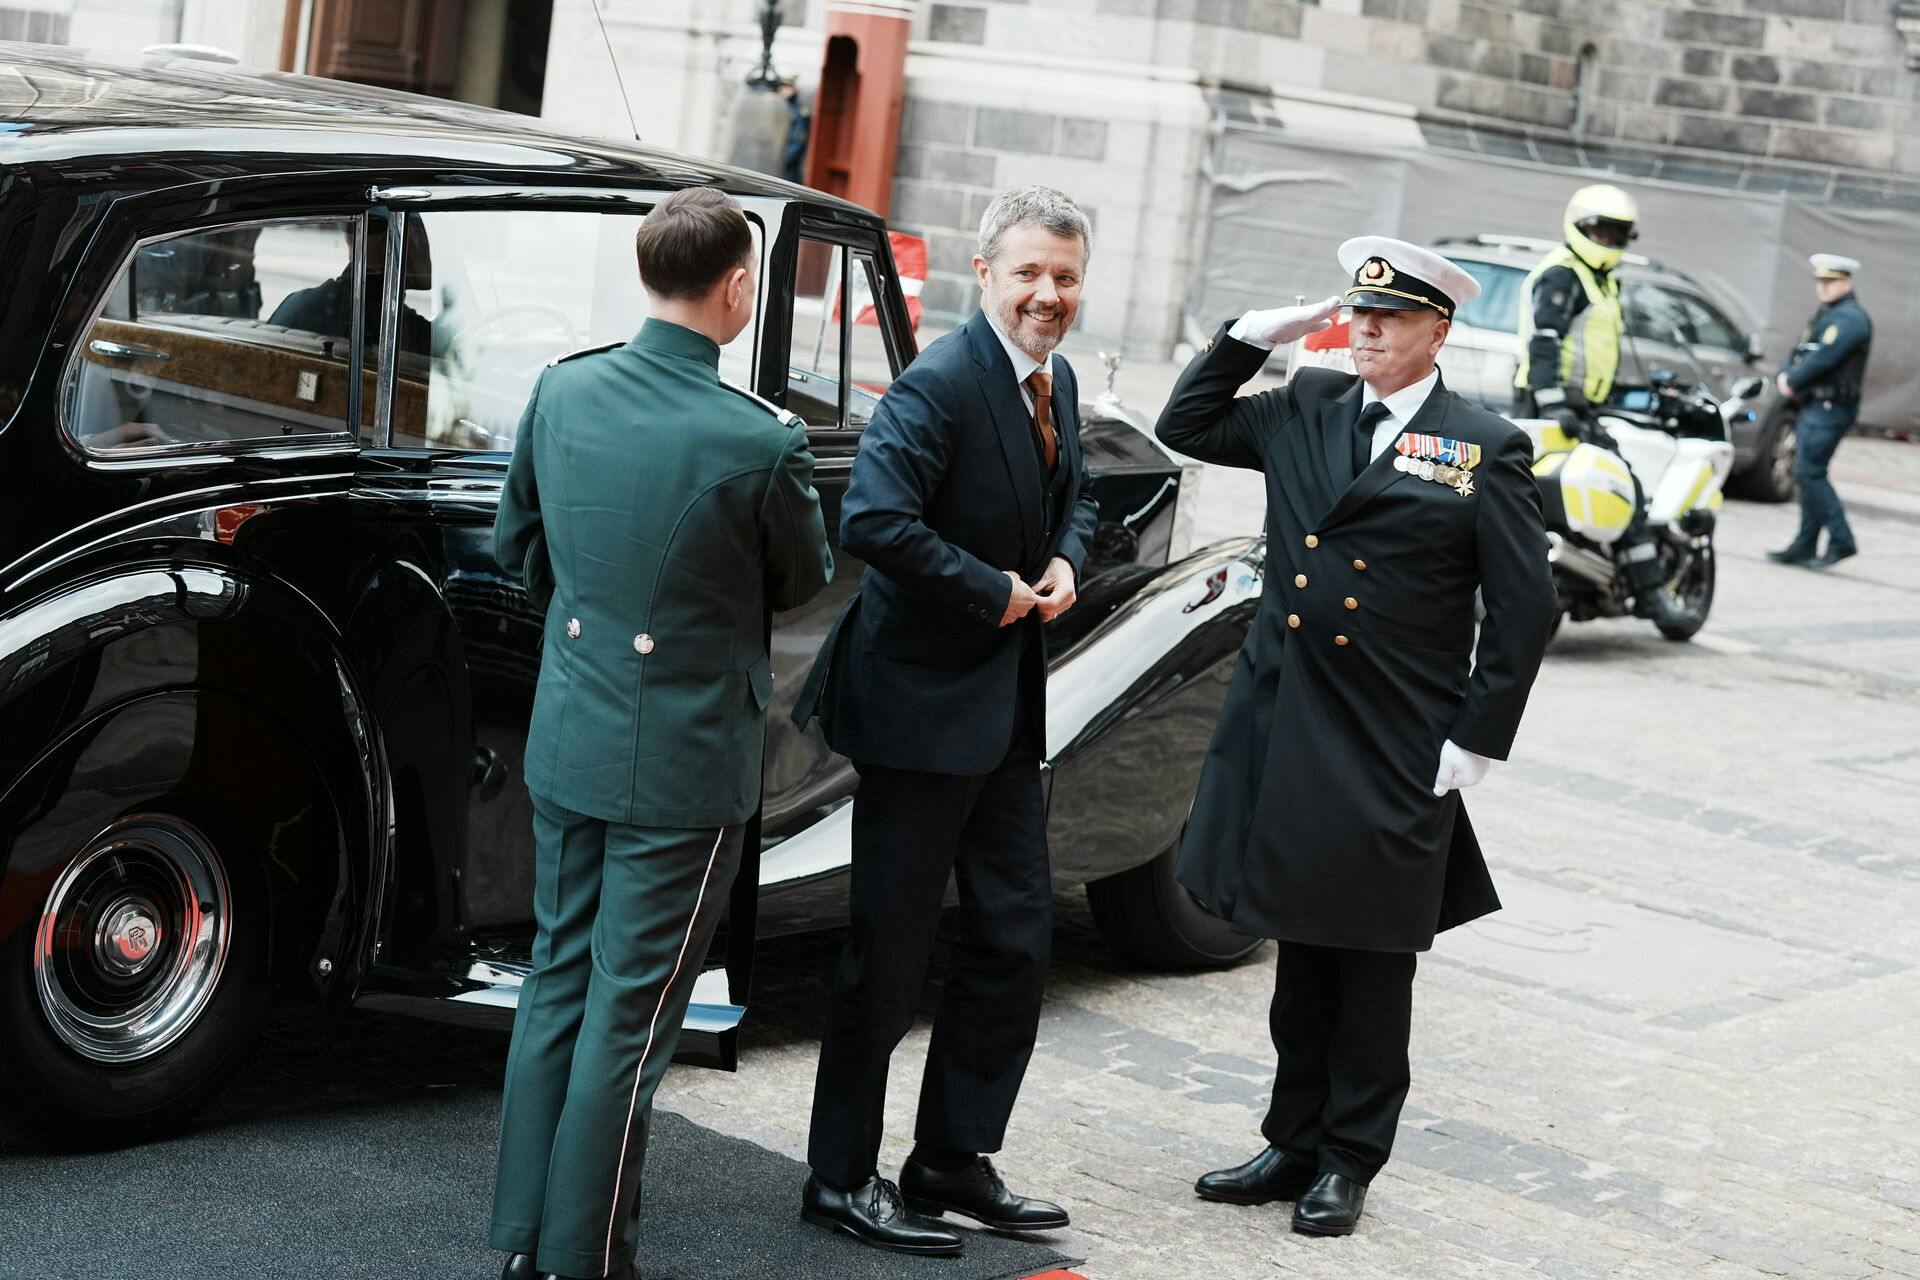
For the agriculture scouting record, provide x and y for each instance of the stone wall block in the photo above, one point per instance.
(1697, 27)
(1778, 106)
(1696, 95)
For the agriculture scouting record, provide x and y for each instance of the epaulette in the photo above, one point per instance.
(586, 351)
(787, 418)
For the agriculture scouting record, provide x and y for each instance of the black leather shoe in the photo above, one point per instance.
(519, 1267)
(1271, 1175)
(1831, 557)
(873, 1213)
(1790, 555)
(1331, 1206)
(976, 1192)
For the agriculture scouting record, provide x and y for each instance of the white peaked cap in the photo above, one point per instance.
(1412, 274)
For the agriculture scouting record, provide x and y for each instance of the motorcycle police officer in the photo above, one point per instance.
(1823, 377)
(1571, 322)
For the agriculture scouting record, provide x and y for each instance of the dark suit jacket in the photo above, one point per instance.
(947, 493)
(1316, 819)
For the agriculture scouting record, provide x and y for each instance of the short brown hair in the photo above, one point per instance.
(690, 240)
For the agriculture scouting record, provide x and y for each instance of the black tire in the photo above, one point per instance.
(1692, 593)
(77, 1096)
(1150, 918)
(1769, 477)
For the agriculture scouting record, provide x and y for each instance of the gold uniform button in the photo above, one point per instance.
(573, 628)
(1352, 603)
(1339, 639)
(643, 643)
(1299, 579)
(1361, 565)
(1313, 540)
(1293, 620)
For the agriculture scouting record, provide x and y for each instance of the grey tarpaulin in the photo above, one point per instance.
(1281, 202)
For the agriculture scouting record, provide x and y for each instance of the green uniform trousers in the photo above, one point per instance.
(625, 915)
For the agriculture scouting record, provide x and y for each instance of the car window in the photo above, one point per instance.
(490, 296)
(870, 367)
(240, 333)
(1498, 306)
(1655, 314)
(1708, 326)
(820, 324)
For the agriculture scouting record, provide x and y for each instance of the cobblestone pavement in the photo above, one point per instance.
(1690, 1045)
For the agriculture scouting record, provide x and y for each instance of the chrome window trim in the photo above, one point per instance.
(390, 297)
(198, 453)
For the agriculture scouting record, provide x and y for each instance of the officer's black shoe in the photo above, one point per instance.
(1271, 1175)
(976, 1192)
(1331, 1206)
(1790, 555)
(1832, 556)
(519, 1267)
(873, 1213)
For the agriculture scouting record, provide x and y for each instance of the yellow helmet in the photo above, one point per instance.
(1599, 224)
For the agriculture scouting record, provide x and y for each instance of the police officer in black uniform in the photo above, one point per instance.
(1823, 376)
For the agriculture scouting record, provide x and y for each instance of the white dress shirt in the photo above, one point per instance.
(1023, 364)
(1401, 406)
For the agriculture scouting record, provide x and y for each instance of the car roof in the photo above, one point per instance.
(68, 110)
(1525, 252)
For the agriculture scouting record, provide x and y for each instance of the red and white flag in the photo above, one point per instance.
(910, 262)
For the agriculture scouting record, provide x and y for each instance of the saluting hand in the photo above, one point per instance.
(1283, 325)
(1022, 599)
(1459, 769)
(1055, 589)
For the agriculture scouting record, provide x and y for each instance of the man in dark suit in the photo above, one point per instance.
(1328, 814)
(968, 501)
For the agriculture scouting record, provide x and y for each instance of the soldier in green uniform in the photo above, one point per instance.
(1824, 376)
(668, 512)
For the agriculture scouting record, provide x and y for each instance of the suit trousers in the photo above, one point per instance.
(1820, 430)
(911, 831)
(1340, 1021)
(625, 915)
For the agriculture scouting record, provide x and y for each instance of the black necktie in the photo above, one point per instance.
(1363, 434)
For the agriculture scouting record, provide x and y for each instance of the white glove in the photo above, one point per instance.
(1459, 769)
(1283, 325)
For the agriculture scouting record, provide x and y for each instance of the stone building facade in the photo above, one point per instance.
(1123, 102)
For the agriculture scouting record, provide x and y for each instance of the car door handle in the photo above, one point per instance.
(121, 351)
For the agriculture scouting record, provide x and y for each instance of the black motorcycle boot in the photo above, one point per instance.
(1646, 582)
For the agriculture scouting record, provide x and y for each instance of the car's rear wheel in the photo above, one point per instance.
(1769, 477)
(1150, 918)
(132, 988)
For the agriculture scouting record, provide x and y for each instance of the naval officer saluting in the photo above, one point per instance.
(1328, 815)
(669, 512)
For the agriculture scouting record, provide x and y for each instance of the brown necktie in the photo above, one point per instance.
(1040, 384)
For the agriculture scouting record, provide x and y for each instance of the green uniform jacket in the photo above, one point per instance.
(672, 512)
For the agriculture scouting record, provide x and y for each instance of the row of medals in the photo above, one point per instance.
(1459, 478)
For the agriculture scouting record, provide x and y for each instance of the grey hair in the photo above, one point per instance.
(1033, 206)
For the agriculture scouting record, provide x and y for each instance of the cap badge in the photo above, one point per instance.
(1375, 271)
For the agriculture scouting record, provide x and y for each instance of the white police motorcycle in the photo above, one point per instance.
(1675, 440)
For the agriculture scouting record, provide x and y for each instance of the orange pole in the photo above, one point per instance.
(863, 87)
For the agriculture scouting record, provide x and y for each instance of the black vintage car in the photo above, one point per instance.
(264, 343)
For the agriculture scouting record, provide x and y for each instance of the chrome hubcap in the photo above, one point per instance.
(1783, 449)
(132, 940)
